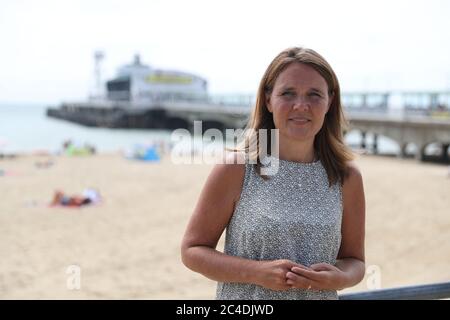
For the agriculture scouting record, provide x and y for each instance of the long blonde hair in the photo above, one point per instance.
(328, 143)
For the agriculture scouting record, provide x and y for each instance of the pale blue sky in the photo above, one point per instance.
(47, 45)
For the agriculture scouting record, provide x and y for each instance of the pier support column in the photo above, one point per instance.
(403, 147)
(363, 140)
(445, 157)
(420, 154)
(375, 144)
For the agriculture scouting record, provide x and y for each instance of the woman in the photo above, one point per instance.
(298, 234)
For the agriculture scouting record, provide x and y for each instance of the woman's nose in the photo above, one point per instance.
(301, 103)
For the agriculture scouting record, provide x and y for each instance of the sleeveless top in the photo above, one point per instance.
(293, 215)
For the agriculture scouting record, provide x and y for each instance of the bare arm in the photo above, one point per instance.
(351, 258)
(211, 216)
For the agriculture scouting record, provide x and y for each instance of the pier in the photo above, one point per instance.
(170, 112)
(419, 118)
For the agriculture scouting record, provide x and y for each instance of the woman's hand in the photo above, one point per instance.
(321, 276)
(272, 274)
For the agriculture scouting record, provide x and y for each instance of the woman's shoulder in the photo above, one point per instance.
(228, 175)
(231, 169)
(353, 175)
(353, 169)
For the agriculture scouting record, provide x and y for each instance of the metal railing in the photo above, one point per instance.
(421, 292)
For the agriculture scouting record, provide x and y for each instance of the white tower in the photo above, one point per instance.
(98, 56)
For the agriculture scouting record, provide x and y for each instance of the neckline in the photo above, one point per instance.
(297, 163)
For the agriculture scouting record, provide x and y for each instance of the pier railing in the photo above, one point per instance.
(422, 292)
(425, 104)
(215, 99)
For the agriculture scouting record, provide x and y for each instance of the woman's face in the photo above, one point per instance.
(299, 102)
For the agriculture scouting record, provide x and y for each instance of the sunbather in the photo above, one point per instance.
(90, 196)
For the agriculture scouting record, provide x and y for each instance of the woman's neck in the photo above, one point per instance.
(297, 151)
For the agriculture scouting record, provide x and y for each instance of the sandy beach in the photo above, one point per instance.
(127, 247)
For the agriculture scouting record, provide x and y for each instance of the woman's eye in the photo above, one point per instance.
(287, 93)
(314, 94)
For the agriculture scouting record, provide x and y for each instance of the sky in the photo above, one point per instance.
(47, 46)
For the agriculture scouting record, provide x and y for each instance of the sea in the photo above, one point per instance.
(25, 128)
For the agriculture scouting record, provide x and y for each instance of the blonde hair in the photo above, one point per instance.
(328, 142)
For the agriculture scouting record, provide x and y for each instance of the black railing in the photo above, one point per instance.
(422, 292)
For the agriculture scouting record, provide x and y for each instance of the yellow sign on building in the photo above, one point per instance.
(169, 79)
(444, 114)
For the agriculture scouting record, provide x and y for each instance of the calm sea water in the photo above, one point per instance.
(26, 128)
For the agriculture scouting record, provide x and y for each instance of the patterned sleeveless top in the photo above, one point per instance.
(293, 215)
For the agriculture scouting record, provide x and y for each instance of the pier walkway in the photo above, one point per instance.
(419, 118)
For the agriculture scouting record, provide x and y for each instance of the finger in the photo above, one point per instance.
(310, 274)
(295, 276)
(297, 281)
(322, 267)
(301, 266)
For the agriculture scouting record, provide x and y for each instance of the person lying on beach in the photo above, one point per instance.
(71, 149)
(89, 196)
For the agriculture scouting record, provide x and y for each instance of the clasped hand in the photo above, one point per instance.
(285, 274)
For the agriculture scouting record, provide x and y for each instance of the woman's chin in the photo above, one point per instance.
(300, 135)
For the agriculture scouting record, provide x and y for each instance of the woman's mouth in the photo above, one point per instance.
(300, 120)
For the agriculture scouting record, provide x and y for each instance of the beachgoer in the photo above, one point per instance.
(90, 196)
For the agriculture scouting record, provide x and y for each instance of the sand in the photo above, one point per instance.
(127, 247)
